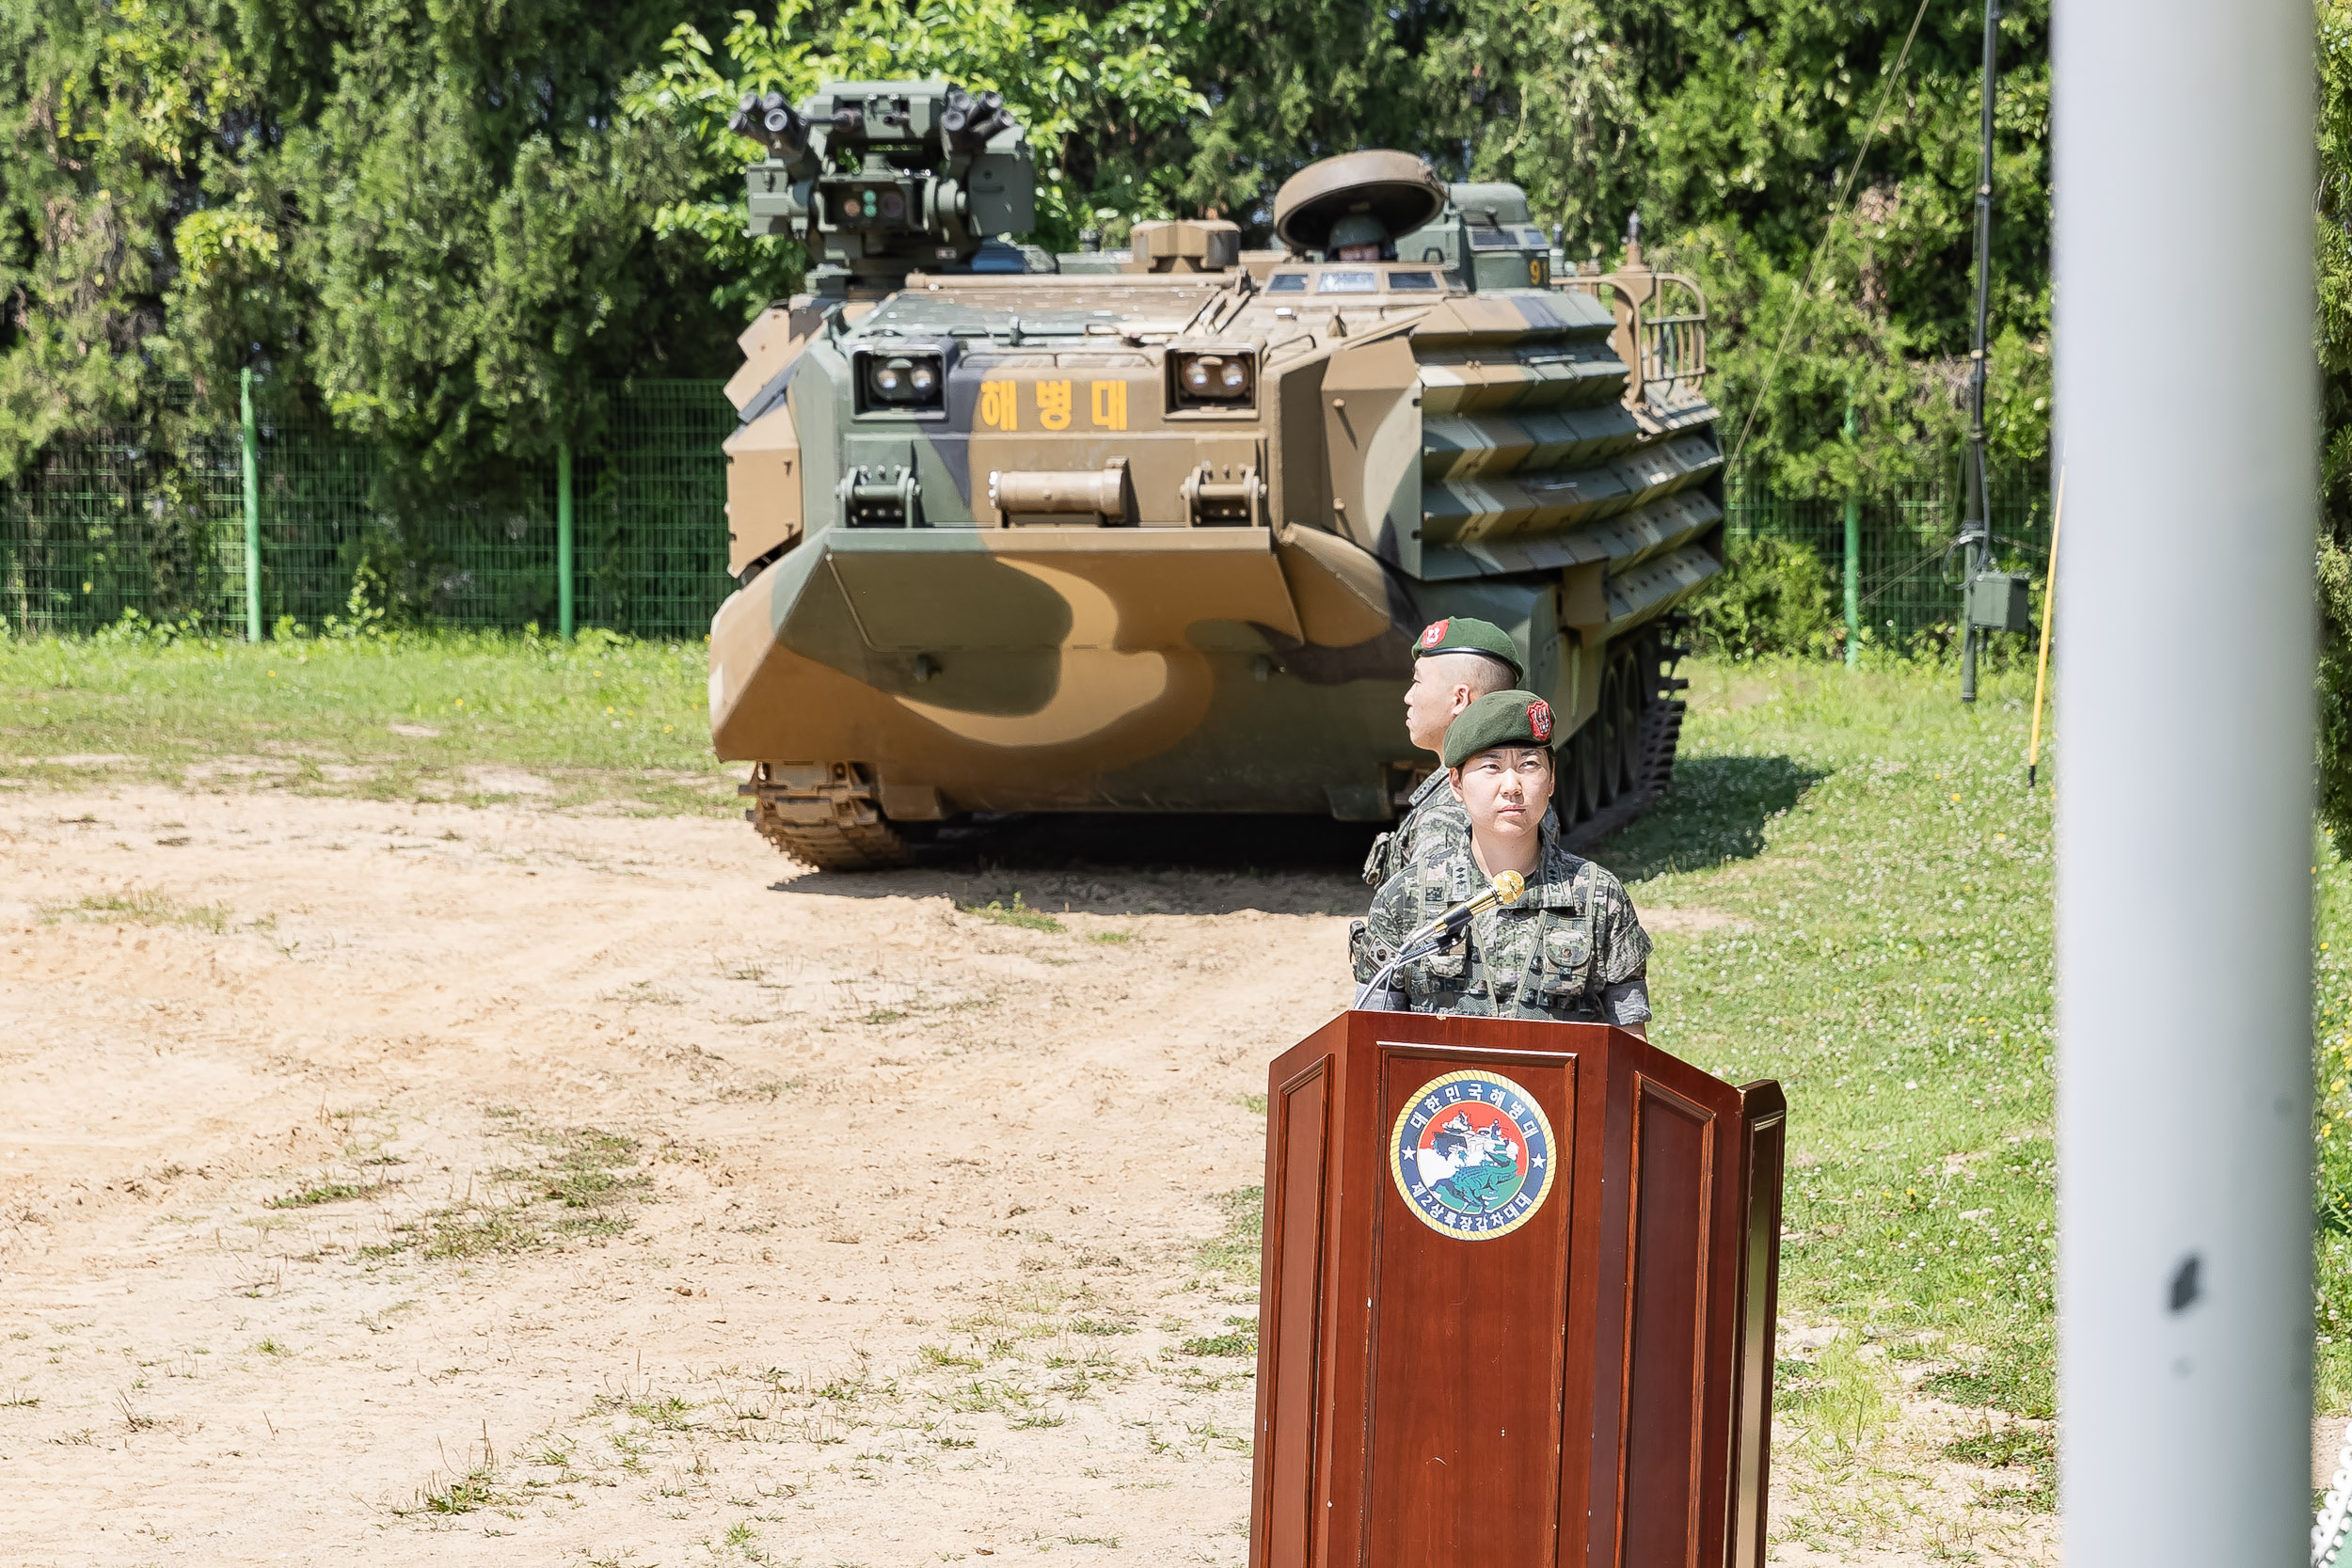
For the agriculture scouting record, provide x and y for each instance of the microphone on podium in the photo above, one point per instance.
(1506, 888)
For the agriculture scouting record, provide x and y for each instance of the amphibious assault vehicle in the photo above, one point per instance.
(1152, 530)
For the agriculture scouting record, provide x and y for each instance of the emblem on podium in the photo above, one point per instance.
(1471, 1155)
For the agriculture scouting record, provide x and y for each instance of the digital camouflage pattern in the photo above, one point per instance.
(1434, 823)
(1570, 949)
(1163, 529)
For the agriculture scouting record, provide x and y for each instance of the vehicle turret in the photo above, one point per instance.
(881, 179)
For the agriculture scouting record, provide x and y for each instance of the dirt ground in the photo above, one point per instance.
(411, 1184)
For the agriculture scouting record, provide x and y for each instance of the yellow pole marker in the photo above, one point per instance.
(2049, 601)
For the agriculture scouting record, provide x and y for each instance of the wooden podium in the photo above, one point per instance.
(1518, 1304)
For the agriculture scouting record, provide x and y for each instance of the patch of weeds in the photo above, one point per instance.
(583, 1175)
(1233, 1252)
(2012, 1446)
(1840, 1403)
(1097, 1326)
(940, 1356)
(139, 907)
(1240, 1339)
(1016, 913)
(1209, 1434)
(271, 1347)
(2014, 1377)
(1111, 938)
(669, 1415)
(580, 1172)
(471, 1230)
(1035, 1418)
(1997, 1450)
(1254, 1104)
(20, 1401)
(324, 1192)
(882, 1015)
(477, 1488)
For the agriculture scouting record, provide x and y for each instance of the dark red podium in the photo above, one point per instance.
(1518, 1302)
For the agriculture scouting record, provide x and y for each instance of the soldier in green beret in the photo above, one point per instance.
(1455, 661)
(1570, 948)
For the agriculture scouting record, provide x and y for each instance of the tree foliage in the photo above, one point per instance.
(423, 221)
(1090, 88)
(2334, 225)
(441, 226)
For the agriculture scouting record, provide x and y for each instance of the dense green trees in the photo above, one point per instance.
(424, 222)
(441, 226)
(2333, 224)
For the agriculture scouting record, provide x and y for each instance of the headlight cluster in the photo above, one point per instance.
(904, 381)
(1214, 379)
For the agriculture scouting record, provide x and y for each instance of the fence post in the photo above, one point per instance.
(252, 508)
(563, 538)
(1854, 550)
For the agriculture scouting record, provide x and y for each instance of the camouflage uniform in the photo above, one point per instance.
(1434, 821)
(1570, 949)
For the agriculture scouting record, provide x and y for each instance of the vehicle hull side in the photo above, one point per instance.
(1104, 670)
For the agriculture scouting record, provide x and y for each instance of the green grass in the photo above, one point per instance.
(998, 913)
(599, 719)
(323, 1192)
(2333, 1114)
(1239, 1338)
(139, 907)
(574, 1191)
(1883, 881)
(1234, 1251)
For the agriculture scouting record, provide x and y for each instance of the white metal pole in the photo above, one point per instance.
(2187, 414)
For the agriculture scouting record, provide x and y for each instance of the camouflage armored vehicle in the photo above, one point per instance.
(1152, 530)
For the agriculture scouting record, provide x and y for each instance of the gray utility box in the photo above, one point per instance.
(2000, 601)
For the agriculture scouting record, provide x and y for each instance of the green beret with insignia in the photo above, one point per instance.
(1498, 718)
(1463, 634)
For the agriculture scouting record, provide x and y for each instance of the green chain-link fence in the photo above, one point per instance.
(98, 528)
(1909, 572)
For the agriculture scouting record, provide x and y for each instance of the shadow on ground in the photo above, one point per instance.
(1715, 812)
(1129, 863)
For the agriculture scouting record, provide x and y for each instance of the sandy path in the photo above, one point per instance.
(870, 1124)
(887, 1224)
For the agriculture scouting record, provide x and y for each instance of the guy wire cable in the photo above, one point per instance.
(1845, 188)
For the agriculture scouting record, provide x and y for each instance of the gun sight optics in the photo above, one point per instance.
(879, 177)
(772, 119)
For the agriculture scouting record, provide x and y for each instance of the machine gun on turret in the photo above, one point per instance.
(879, 179)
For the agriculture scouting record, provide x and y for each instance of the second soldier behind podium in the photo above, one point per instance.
(1570, 948)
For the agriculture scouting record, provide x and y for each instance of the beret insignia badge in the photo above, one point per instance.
(1539, 719)
(1434, 633)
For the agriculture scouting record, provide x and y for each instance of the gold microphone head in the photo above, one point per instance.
(1508, 886)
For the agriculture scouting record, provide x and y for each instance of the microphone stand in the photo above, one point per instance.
(1434, 939)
